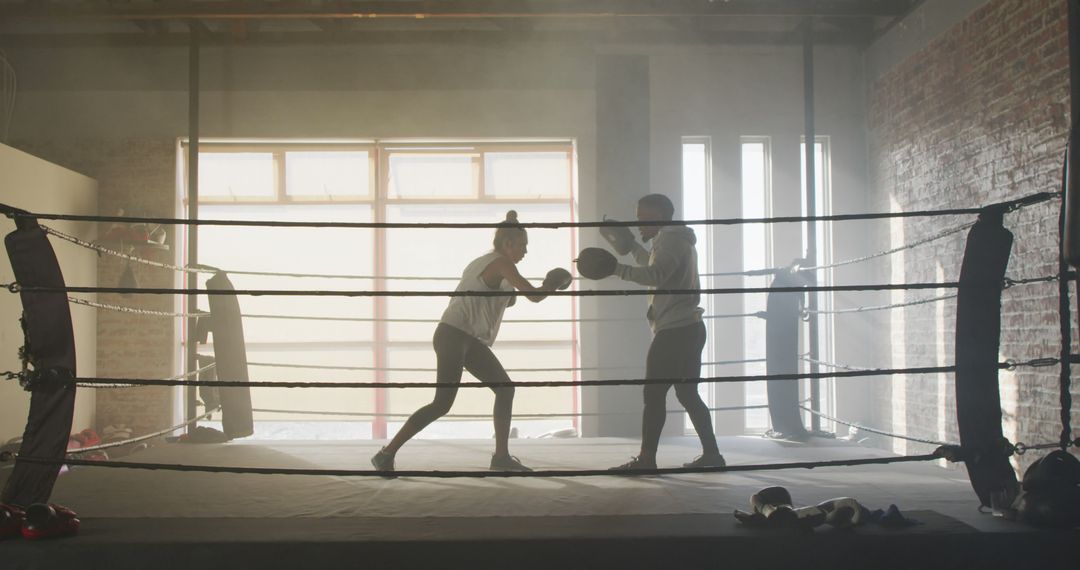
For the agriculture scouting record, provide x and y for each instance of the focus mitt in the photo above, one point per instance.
(620, 237)
(842, 513)
(596, 263)
(774, 503)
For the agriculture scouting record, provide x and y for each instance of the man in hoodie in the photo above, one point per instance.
(678, 331)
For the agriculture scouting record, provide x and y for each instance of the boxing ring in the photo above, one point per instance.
(286, 504)
(538, 523)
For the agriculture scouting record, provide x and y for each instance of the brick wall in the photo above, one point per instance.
(979, 115)
(138, 175)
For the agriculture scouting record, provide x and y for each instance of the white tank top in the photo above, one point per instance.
(478, 317)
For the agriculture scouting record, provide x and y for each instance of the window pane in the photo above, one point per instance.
(236, 174)
(756, 255)
(823, 250)
(446, 252)
(329, 399)
(294, 250)
(328, 173)
(433, 176)
(695, 205)
(527, 174)
(283, 425)
(821, 194)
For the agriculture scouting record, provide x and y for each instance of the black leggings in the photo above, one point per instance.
(675, 353)
(455, 351)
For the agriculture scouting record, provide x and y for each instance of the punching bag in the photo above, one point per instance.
(782, 324)
(978, 337)
(230, 356)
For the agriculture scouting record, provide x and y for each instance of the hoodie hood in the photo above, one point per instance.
(684, 233)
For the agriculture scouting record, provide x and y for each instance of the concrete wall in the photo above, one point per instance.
(32, 184)
(119, 110)
(978, 114)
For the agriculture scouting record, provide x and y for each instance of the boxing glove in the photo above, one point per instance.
(49, 521)
(11, 521)
(557, 278)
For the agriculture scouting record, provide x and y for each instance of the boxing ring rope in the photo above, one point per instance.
(183, 376)
(1008, 206)
(147, 312)
(851, 261)
(206, 270)
(866, 309)
(1017, 448)
(842, 372)
(415, 369)
(861, 427)
(488, 416)
(15, 287)
(516, 384)
(1012, 205)
(142, 438)
(758, 314)
(440, 474)
(1009, 283)
(202, 269)
(91, 382)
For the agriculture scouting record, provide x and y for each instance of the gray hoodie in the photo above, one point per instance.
(672, 264)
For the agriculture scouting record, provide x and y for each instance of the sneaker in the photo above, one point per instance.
(636, 464)
(49, 521)
(383, 461)
(707, 460)
(507, 463)
(11, 521)
(799, 436)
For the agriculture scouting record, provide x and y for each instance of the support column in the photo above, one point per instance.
(191, 345)
(811, 209)
(622, 175)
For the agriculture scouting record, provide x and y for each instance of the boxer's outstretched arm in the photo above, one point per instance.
(508, 270)
(641, 255)
(658, 268)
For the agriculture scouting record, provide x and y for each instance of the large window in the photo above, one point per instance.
(756, 253)
(824, 254)
(385, 339)
(697, 204)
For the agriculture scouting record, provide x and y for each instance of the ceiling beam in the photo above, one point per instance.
(150, 27)
(329, 25)
(911, 6)
(601, 37)
(452, 9)
(515, 25)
